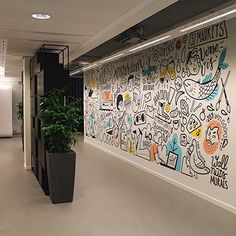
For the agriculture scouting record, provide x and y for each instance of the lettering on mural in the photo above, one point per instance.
(218, 171)
(208, 34)
(167, 105)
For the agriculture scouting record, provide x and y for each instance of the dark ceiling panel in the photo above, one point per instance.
(169, 18)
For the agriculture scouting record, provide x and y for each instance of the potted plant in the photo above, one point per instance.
(19, 115)
(60, 121)
(19, 110)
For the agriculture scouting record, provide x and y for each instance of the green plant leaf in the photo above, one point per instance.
(60, 122)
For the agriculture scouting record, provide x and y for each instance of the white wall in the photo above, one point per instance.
(16, 96)
(6, 111)
(165, 110)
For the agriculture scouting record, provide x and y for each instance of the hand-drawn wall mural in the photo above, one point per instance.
(167, 105)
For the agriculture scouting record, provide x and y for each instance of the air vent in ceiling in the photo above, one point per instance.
(133, 35)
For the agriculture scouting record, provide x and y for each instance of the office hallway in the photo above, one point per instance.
(111, 198)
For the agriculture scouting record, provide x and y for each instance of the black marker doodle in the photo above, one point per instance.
(223, 112)
(223, 92)
(178, 67)
(185, 39)
(119, 102)
(167, 66)
(140, 118)
(178, 44)
(137, 100)
(208, 34)
(117, 129)
(123, 141)
(150, 111)
(161, 135)
(176, 124)
(184, 107)
(194, 126)
(130, 82)
(197, 107)
(210, 107)
(183, 140)
(218, 171)
(147, 97)
(199, 91)
(193, 103)
(202, 115)
(184, 120)
(171, 95)
(183, 73)
(174, 113)
(197, 163)
(172, 160)
(161, 113)
(90, 92)
(228, 107)
(178, 95)
(225, 143)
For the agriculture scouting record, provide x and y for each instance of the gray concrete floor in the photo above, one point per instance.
(111, 198)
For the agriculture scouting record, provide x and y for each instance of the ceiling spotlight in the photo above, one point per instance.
(41, 16)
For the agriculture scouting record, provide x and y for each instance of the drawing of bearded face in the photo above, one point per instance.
(212, 138)
(212, 135)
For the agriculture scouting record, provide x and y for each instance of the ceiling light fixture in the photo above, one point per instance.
(113, 57)
(88, 67)
(41, 16)
(149, 43)
(75, 72)
(209, 20)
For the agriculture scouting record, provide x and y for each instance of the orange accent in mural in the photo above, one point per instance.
(213, 135)
(153, 151)
(107, 96)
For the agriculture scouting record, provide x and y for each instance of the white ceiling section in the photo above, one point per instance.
(81, 24)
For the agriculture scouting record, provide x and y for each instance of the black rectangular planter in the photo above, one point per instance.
(61, 176)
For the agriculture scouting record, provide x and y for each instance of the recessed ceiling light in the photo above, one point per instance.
(41, 16)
